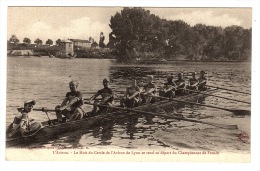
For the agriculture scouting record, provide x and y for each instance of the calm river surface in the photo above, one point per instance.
(46, 80)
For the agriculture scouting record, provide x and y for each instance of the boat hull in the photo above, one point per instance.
(51, 131)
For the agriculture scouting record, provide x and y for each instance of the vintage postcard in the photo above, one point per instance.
(129, 83)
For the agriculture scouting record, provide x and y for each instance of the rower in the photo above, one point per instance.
(149, 90)
(107, 95)
(71, 105)
(22, 124)
(202, 85)
(180, 85)
(169, 88)
(193, 83)
(131, 97)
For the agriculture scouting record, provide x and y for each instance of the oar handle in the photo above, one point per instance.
(228, 89)
(44, 110)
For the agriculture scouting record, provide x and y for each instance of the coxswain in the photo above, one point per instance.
(22, 125)
(71, 105)
(132, 96)
(180, 85)
(202, 85)
(149, 91)
(169, 88)
(107, 96)
(193, 83)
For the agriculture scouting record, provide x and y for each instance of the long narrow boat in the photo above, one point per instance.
(49, 131)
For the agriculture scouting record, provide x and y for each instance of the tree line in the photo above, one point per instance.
(37, 41)
(136, 33)
(26, 40)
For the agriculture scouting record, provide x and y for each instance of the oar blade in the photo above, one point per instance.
(222, 125)
(241, 112)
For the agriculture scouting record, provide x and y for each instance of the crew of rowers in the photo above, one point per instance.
(134, 96)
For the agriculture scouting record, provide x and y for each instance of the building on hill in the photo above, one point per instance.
(81, 43)
(66, 49)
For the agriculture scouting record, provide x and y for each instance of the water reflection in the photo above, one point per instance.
(130, 127)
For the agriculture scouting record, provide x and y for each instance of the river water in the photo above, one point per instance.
(46, 80)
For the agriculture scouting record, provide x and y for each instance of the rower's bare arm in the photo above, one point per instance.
(202, 82)
(195, 84)
(64, 102)
(133, 95)
(94, 97)
(181, 84)
(107, 97)
(150, 91)
(169, 89)
(74, 100)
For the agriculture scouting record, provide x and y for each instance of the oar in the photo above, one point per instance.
(116, 92)
(199, 92)
(235, 111)
(229, 89)
(171, 117)
(99, 99)
(46, 112)
(44, 109)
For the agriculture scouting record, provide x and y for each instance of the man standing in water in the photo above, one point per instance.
(22, 124)
(107, 95)
(132, 96)
(71, 105)
(202, 86)
(149, 90)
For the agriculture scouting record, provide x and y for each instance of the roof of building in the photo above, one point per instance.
(66, 41)
(79, 40)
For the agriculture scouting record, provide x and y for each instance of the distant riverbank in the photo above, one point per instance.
(106, 53)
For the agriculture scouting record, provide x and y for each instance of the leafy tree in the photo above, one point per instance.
(38, 41)
(136, 33)
(14, 39)
(27, 40)
(233, 42)
(135, 30)
(49, 42)
(246, 47)
(58, 41)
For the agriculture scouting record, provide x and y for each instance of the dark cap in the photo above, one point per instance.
(105, 80)
(203, 72)
(33, 102)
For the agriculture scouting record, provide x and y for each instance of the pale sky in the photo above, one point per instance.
(83, 22)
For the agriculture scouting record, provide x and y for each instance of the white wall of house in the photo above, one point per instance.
(21, 52)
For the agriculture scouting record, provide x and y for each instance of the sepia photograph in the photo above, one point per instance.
(128, 83)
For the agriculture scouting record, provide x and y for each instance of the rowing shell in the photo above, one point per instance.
(47, 131)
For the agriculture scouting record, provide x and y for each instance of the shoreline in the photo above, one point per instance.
(139, 62)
